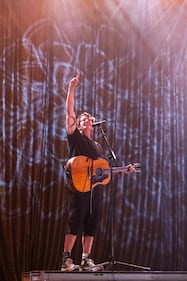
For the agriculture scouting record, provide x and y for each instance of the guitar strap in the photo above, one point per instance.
(91, 190)
(91, 201)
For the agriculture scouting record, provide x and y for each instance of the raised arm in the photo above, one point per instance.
(70, 110)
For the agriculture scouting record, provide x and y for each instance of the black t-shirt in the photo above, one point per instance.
(79, 144)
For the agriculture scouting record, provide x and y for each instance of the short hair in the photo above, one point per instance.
(86, 114)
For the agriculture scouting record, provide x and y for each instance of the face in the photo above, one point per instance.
(86, 121)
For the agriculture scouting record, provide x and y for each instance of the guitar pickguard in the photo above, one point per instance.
(99, 177)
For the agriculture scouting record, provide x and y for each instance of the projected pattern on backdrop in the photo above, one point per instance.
(138, 88)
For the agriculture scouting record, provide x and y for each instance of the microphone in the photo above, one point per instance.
(98, 123)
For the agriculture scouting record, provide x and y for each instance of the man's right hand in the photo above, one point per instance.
(74, 81)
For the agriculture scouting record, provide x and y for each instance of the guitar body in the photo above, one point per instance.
(84, 173)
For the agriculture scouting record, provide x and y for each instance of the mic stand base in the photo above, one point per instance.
(144, 268)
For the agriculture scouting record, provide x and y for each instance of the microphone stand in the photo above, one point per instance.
(113, 159)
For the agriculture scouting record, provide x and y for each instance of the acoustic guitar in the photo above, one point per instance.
(84, 173)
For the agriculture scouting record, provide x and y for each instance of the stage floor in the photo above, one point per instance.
(104, 276)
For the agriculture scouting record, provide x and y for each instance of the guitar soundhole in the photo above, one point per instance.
(99, 172)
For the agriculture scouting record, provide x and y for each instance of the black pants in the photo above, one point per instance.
(84, 211)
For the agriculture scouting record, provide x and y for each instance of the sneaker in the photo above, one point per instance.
(89, 265)
(69, 265)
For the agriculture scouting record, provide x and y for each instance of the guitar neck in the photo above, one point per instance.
(124, 170)
(119, 170)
